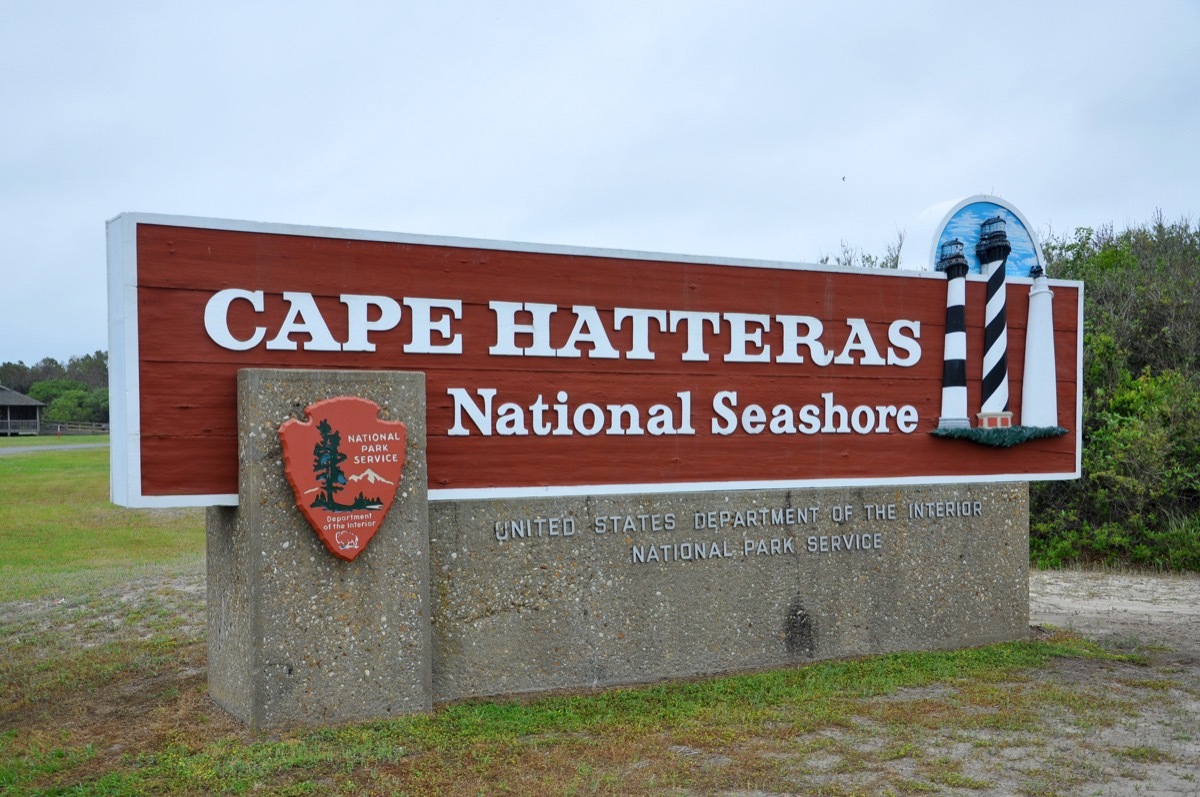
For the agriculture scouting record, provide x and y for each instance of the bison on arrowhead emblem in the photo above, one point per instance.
(344, 465)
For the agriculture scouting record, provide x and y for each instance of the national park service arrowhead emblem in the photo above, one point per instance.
(344, 465)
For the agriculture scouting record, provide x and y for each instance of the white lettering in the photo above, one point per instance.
(482, 418)
(304, 317)
(507, 329)
(587, 419)
(793, 340)
(740, 335)
(216, 319)
(908, 344)
(359, 323)
(423, 325)
(859, 341)
(588, 329)
(694, 322)
(641, 329)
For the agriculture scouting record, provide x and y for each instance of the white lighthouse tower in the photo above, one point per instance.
(1039, 391)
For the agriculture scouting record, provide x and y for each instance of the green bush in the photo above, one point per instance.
(71, 401)
(47, 390)
(1138, 501)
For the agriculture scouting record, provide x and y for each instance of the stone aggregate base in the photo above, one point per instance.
(567, 593)
(459, 599)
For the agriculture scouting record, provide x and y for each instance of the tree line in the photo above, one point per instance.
(74, 392)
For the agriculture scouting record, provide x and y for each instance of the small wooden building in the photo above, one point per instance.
(19, 414)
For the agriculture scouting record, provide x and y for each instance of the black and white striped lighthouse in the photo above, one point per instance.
(993, 249)
(954, 358)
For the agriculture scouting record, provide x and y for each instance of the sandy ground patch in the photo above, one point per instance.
(1154, 609)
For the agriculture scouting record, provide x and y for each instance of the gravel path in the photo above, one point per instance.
(10, 452)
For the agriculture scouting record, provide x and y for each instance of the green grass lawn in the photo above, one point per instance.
(59, 532)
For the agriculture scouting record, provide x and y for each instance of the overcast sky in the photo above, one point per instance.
(773, 130)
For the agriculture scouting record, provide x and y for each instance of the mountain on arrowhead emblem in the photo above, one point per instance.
(370, 476)
(344, 465)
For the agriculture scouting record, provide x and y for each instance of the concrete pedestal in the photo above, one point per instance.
(536, 594)
(297, 636)
(487, 597)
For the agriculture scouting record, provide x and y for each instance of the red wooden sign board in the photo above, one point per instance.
(555, 370)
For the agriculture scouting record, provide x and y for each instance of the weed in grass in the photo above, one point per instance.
(947, 772)
(1059, 774)
(921, 712)
(45, 680)
(46, 441)
(897, 751)
(1156, 684)
(1145, 755)
(911, 786)
(1086, 708)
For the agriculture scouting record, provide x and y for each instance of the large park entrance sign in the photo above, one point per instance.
(578, 467)
(560, 371)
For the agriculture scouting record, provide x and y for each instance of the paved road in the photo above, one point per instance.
(6, 452)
